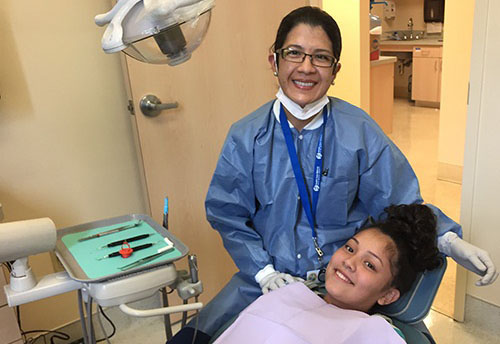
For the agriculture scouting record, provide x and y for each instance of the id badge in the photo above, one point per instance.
(316, 276)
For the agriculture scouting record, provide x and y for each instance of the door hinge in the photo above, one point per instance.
(130, 107)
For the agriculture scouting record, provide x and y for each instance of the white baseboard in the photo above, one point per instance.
(427, 104)
(450, 173)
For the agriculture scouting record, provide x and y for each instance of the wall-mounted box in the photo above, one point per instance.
(433, 11)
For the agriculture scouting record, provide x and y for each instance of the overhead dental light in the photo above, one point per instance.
(156, 31)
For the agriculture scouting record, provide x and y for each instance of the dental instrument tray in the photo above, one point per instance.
(79, 247)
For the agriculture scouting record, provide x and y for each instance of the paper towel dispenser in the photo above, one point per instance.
(434, 11)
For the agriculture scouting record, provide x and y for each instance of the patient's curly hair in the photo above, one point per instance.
(412, 227)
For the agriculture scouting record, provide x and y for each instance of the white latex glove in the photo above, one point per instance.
(469, 256)
(270, 279)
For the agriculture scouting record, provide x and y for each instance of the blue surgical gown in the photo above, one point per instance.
(253, 199)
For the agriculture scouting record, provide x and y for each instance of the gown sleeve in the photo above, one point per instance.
(387, 178)
(230, 205)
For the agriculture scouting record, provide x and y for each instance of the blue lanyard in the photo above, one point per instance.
(299, 177)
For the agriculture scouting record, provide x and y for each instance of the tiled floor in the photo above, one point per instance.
(416, 133)
(447, 331)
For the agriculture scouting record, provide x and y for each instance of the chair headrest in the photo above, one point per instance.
(414, 305)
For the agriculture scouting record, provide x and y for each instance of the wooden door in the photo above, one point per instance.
(227, 77)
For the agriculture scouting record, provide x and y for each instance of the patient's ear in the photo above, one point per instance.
(392, 295)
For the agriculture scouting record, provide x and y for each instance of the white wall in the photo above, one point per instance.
(481, 186)
(66, 139)
(459, 18)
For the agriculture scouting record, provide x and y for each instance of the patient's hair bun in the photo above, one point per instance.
(412, 228)
(416, 225)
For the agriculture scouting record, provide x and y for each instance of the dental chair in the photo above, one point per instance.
(409, 311)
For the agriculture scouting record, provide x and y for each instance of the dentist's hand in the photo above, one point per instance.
(275, 281)
(469, 256)
(270, 279)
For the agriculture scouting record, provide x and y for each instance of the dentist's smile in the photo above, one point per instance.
(304, 84)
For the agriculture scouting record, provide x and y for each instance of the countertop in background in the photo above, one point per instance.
(383, 60)
(424, 41)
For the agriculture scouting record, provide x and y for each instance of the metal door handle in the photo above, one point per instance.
(151, 105)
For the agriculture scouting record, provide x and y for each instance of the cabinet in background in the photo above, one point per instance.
(426, 80)
(382, 91)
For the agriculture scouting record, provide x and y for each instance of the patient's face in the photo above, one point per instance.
(359, 273)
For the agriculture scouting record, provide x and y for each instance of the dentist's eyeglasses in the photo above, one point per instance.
(297, 56)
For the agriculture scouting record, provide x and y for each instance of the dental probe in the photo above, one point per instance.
(134, 249)
(119, 242)
(111, 231)
(161, 251)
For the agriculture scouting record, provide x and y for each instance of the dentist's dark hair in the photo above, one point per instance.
(314, 17)
(412, 228)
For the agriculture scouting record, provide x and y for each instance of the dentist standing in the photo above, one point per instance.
(298, 177)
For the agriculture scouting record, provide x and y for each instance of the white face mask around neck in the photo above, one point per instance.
(297, 111)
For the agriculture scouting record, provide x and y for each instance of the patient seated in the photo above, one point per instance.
(375, 266)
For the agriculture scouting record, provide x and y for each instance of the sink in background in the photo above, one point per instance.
(405, 35)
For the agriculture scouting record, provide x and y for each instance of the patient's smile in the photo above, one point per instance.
(343, 277)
